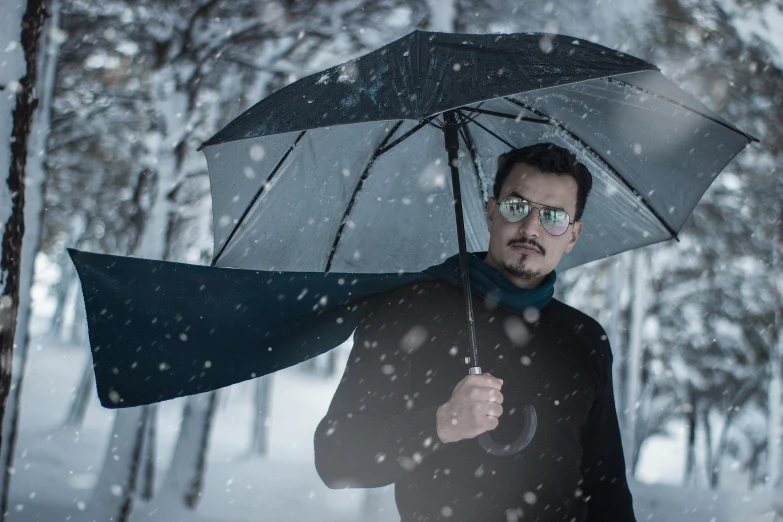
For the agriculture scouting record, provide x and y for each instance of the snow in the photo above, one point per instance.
(12, 68)
(442, 13)
(56, 469)
(761, 24)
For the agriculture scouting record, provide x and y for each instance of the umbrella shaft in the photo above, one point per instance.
(451, 135)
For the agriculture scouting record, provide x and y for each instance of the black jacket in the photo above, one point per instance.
(409, 354)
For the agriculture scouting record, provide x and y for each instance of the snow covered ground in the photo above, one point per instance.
(55, 469)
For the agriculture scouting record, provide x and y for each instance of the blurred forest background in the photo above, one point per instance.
(128, 89)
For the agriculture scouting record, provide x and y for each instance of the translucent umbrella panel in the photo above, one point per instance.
(667, 151)
(331, 199)
(615, 219)
(335, 203)
(376, 196)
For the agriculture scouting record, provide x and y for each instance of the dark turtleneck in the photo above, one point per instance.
(409, 354)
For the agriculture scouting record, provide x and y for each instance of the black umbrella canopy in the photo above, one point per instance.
(346, 170)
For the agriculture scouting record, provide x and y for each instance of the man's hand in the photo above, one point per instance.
(474, 408)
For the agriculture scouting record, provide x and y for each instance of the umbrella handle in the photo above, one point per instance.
(451, 135)
(529, 425)
(506, 450)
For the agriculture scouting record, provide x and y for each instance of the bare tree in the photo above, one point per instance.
(21, 29)
(775, 422)
(147, 489)
(262, 415)
(84, 392)
(185, 476)
(114, 492)
(634, 361)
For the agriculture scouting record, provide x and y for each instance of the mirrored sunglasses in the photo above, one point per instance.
(554, 220)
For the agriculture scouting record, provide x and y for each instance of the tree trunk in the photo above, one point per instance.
(61, 290)
(442, 15)
(147, 489)
(68, 287)
(150, 243)
(775, 420)
(331, 363)
(33, 219)
(185, 477)
(81, 400)
(614, 295)
(709, 456)
(634, 367)
(690, 455)
(20, 29)
(642, 423)
(112, 498)
(78, 333)
(754, 466)
(263, 402)
(720, 451)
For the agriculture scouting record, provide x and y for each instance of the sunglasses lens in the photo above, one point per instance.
(514, 210)
(555, 221)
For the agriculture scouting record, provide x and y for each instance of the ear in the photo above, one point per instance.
(576, 231)
(492, 206)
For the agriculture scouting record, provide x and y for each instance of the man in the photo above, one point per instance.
(406, 413)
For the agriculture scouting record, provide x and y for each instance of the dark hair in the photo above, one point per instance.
(549, 158)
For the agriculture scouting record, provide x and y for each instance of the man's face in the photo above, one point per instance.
(524, 252)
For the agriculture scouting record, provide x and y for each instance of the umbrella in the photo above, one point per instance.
(363, 168)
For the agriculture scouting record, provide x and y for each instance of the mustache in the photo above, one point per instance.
(515, 242)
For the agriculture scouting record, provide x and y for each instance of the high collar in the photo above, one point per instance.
(490, 283)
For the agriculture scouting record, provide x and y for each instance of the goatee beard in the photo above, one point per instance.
(520, 271)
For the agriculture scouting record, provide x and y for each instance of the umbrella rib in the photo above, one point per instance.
(605, 161)
(507, 116)
(378, 152)
(468, 139)
(674, 102)
(493, 134)
(404, 136)
(258, 194)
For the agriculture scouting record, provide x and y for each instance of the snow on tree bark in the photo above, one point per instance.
(690, 452)
(21, 29)
(775, 418)
(262, 414)
(67, 289)
(442, 15)
(84, 392)
(147, 489)
(112, 498)
(33, 219)
(634, 366)
(185, 476)
(614, 293)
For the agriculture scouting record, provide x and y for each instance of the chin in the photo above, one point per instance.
(523, 271)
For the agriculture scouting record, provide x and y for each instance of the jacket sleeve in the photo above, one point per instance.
(372, 434)
(603, 464)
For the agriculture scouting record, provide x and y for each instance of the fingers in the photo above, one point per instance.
(483, 380)
(485, 395)
(488, 409)
(488, 381)
(494, 396)
(495, 410)
(492, 423)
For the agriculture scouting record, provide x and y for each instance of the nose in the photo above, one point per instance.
(530, 226)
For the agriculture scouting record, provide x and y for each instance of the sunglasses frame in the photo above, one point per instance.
(533, 207)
